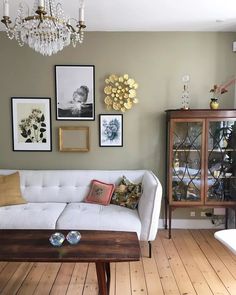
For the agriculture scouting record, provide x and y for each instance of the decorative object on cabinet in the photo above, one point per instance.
(217, 91)
(121, 92)
(75, 92)
(48, 30)
(185, 92)
(31, 124)
(214, 103)
(110, 130)
(74, 139)
(201, 160)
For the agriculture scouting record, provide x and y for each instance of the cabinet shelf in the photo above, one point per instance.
(186, 150)
(223, 150)
(197, 177)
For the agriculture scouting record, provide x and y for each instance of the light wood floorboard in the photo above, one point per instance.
(193, 262)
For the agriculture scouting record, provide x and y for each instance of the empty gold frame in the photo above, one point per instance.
(74, 139)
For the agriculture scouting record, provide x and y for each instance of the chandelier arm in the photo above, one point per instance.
(6, 21)
(70, 28)
(48, 17)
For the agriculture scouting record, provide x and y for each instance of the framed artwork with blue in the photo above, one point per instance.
(110, 130)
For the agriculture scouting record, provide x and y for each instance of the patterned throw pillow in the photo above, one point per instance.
(100, 193)
(127, 194)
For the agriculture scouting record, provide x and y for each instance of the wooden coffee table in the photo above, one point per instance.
(100, 247)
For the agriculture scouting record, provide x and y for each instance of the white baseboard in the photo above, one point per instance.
(191, 224)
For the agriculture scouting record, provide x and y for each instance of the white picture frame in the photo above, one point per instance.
(31, 124)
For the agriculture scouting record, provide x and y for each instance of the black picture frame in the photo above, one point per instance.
(111, 130)
(31, 124)
(75, 92)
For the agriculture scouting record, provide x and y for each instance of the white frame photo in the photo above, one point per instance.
(31, 124)
(75, 92)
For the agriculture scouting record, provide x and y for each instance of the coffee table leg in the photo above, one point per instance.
(103, 275)
(108, 272)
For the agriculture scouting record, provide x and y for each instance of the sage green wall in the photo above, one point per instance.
(157, 61)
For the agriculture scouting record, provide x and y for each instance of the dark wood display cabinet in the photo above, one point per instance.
(201, 160)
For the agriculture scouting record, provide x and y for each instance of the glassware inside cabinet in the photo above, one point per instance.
(221, 179)
(186, 166)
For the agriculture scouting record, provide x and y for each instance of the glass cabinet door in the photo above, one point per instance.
(186, 156)
(221, 163)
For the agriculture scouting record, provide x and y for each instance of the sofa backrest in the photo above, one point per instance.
(66, 185)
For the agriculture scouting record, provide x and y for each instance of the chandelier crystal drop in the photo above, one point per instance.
(47, 30)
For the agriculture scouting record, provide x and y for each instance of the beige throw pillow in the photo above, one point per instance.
(10, 193)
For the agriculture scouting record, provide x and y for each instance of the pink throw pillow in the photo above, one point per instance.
(100, 193)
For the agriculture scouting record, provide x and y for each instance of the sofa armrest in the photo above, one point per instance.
(149, 206)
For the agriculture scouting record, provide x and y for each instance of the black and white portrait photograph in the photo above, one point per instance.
(110, 130)
(75, 92)
(31, 124)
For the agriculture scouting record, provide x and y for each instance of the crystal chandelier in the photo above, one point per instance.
(47, 30)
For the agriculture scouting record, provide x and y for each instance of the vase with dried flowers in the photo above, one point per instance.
(216, 92)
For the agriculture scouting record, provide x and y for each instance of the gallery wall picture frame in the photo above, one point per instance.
(31, 124)
(110, 130)
(75, 92)
(74, 139)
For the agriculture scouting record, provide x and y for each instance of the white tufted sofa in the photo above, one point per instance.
(55, 201)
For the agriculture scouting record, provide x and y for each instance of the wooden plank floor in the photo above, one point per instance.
(192, 262)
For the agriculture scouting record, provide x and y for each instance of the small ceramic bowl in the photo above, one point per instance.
(57, 239)
(73, 237)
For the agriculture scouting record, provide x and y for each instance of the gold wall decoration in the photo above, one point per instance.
(120, 92)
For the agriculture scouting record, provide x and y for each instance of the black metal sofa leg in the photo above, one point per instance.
(150, 249)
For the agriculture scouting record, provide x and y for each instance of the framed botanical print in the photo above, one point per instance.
(111, 130)
(31, 124)
(75, 91)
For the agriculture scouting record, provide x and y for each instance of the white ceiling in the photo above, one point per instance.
(151, 15)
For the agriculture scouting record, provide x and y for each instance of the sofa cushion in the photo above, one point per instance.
(100, 193)
(10, 193)
(30, 216)
(127, 194)
(83, 216)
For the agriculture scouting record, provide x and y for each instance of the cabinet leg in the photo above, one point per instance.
(170, 216)
(226, 217)
(166, 205)
(150, 249)
(235, 218)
